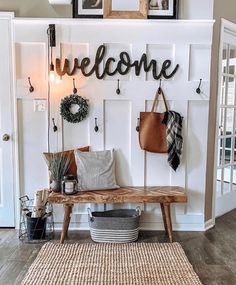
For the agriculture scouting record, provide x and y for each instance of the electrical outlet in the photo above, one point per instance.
(40, 105)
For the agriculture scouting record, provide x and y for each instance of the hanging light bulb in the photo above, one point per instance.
(52, 43)
(52, 77)
(51, 73)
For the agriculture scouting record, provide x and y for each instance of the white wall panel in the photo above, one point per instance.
(185, 43)
(76, 135)
(160, 52)
(197, 67)
(196, 155)
(32, 143)
(71, 51)
(137, 160)
(30, 62)
(113, 50)
(117, 122)
(179, 177)
(157, 169)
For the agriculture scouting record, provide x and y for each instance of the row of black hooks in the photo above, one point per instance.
(198, 90)
(118, 91)
(96, 128)
(75, 90)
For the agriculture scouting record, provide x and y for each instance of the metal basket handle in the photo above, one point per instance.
(24, 198)
(90, 214)
(138, 210)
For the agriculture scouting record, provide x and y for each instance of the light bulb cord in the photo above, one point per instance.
(51, 58)
(49, 92)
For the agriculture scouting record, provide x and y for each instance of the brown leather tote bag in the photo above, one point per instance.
(152, 133)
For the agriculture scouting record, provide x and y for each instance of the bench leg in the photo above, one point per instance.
(163, 216)
(165, 209)
(67, 215)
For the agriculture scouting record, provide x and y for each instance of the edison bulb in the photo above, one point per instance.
(52, 76)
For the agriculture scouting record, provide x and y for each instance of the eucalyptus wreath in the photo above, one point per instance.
(65, 108)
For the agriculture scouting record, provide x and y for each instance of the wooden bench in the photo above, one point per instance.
(165, 195)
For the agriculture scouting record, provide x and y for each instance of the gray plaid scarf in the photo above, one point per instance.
(173, 122)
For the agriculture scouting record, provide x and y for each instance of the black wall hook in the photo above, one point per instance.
(54, 126)
(74, 88)
(118, 87)
(198, 90)
(31, 88)
(137, 127)
(96, 126)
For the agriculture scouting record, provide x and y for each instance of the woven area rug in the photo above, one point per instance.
(113, 264)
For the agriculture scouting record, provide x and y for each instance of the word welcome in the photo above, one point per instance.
(123, 66)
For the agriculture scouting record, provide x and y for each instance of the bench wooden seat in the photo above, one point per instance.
(165, 195)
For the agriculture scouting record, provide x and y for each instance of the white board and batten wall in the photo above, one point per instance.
(187, 43)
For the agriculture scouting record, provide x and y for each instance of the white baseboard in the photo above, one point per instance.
(180, 222)
(149, 222)
(143, 226)
(209, 224)
(197, 227)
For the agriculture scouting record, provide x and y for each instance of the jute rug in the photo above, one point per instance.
(113, 264)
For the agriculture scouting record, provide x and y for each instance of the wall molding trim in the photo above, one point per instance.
(179, 223)
(59, 2)
(199, 227)
(209, 224)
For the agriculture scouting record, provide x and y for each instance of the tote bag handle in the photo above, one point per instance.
(155, 102)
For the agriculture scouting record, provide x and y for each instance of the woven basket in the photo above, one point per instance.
(114, 226)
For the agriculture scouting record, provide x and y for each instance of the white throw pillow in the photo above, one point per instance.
(95, 170)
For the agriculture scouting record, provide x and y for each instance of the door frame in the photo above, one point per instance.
(13, 105)
(225, 26)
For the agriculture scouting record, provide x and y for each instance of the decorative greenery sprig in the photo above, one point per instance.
(58, 165)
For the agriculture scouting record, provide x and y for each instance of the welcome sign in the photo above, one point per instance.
(112, 66)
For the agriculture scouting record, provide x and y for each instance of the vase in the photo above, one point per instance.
(56, 185)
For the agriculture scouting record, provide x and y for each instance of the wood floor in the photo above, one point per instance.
(212, 254)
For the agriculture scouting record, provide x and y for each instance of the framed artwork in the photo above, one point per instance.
(87, 9)
(163, 9)
(156, 9)
(120, 9)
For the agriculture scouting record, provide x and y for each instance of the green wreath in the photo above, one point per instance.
(65, 108)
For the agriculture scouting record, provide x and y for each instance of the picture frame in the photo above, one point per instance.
(163, 9)
(136, 9)
(87, 9)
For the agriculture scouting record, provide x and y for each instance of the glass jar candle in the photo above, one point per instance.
(69, 185)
